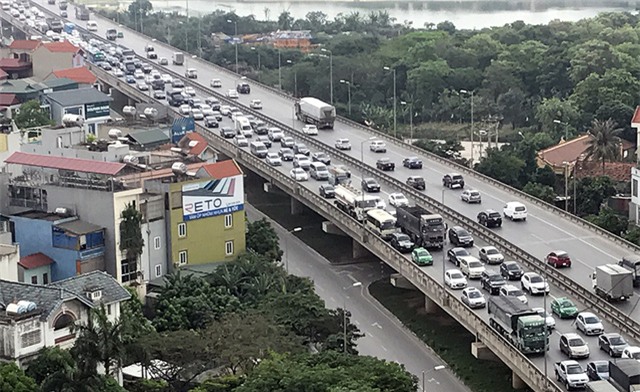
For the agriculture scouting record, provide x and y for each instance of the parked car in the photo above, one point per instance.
(558, 258)
(573, 346)
(273, 159)
(327, 191)
(511, 270)
(453, 180)
(612, 343)
(370, 185)
(490, 255)
(412, 163)
(421, 256)
(321, 157)
(401, 242)
(564, 308)
(455, 279)
(533, 283)
(343, 144)
(417, 182)
(471, 196)
(378, 146)
(515, 210)
(385, 164)
(492, 281)
(589, 324)
(473, 298)
(460, 237)
(598, 370)
(398, 200)
(454, 255)
(490, 218)
(509, 290)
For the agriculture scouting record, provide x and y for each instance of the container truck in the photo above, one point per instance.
(632, 263)
(353, 201)
(313, 111)
(82, 12)
(624, 374)
(425, 228)
(600, 386)
(55, 25)
(519, 324)
(178, 58)
(612, 282)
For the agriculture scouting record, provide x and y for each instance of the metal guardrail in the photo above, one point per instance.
(508, 353)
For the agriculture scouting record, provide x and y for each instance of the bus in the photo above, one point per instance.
(382, 222)
(95, 55)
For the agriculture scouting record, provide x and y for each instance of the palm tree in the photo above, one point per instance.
(605, 142)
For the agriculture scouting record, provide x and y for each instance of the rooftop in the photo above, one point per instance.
(223, 169)
(78, 74)
(194, 143)
(41, 215)
(24, 44)
(618, 171)
(8, 100)
(157, 174)
(111, 290)
(79, 227)
(149, 138)
(78, 97)
(71, 164)
(35, 260)
(61, 47)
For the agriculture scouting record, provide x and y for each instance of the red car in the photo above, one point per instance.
(558, 258)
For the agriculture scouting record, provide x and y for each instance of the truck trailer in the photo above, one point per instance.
(353, 201)
(600, 386)
(624, 374)
(519, 324)
(313, 111)
(613, 282)
(82, 12)
(425, 228)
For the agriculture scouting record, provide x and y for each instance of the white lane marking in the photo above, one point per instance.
(384, 348)
(376, 325)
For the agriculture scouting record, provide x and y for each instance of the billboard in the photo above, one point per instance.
(212, 198)
(93, 110)
(180, 127)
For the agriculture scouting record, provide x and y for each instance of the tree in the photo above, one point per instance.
(555, 109)
(591, 192)
(542, 192)
(13, 379)
(50, 360)
(610, 221)
(139, 9)
(134, 326)
(131, 241)
(262, 239)
(605, 141)
(31, 115)
(502, 165)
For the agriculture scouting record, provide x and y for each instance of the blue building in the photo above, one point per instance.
(75, 246)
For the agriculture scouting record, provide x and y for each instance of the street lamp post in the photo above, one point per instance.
(330, 71)
(348, 83)
(258, 53)
(425, 372)
(395, 116)
(566, 185)
(235, 37)
(295, 79)
(471, 93)
(403, 103)
(286, 247)
(279, 69)
(362, 160)
(566, 129)
(344, 317)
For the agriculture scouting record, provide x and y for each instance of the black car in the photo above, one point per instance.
(286, 154)
(265, 140)
(146, 68)
(454, 255)
(300, 148)
(612, 343)
(327, 191)
(417, 182)
(159, 94)
(412, 163)
(492, 281)
(598, 370)
(211, 122)
(490, 218)
(385, 164)
(460, 237)
(104, 65)
(453, 180)
(321, 157)
(227, 133)
(370, 185)
(511, 270)
(217, 115)
(401, 242)
(261, 129)
(177, 83)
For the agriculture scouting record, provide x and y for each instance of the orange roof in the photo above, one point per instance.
(61, 47)
(24, 44)
(200, 145)
(617, 171)
(79, 74)
(223, 169)
(568, 151)
(636, 116)
(35, 260)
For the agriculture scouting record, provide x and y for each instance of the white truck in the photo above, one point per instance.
(311, 110)
(571, 374)
(353, 201)
(612, 282)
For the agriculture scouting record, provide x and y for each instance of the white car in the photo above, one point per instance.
(206, 110)
(241, 141)
(197, 114)
(137, 74)
(473, 298)
(343, 144)
(142, 86)
(490, 255)
(255, 104)
(275, 134)
(515, 210)
(225, 110)
(589, 324)
(548, 318)
(533, 283)
(117, 72)
(310, 130)
(298, 174)
(631, 352)
(454, 279)
(273, 159)
(233, 94)
(509, 290)
(185, 109)
(166, 78)
(471, 196)
(398, 200)
(215, 83)
(378, 146)
(380, 204)
(190, 90)
(301, 161)
(573, 345)
(471, 267)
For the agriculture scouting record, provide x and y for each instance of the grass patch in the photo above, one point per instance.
(450, 340)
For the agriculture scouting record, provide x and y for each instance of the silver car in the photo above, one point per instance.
(589, 324)
(473, 298)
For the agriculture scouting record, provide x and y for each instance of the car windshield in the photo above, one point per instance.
(402, 237)
(371, 182)
(456, 275)
(474, 193)
(321, 155)
(520, 209)
(475, 264)
(575, 369)
(462, 232)
(591, 320)
(536, 279)
(512, 266)
(562, 255)
(565, 304)
(494, 215)
(515, 293)
(475, 294)
(576, 342)
(602, 367)
(461, 252)
(496, 278)
(457, 177)
(422, 253)
(491, 251)
(617, 341)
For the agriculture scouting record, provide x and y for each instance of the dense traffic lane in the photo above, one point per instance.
(385, 337)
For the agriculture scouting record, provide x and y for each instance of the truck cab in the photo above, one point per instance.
(112, 34)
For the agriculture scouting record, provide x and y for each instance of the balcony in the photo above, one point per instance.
(91, 253)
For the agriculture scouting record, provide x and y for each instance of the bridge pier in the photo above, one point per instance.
(516, 381)
(297, 208)
(399, 281)
(481, 351)
(358, 250)
(330, 228)
(431, 306)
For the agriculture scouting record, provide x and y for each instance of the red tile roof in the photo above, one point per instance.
(79, 74)
(618, 171)
(568, 151)
(35, 260)
(3, 75)
(8, 100)
(223, 169)
(13, 63)
(201, 143)
(636, 116)
(71, 164)
(24, 44)
(61, 47)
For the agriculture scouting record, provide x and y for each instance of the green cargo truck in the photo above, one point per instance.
(519, 324)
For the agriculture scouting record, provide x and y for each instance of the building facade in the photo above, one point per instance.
(88, 103)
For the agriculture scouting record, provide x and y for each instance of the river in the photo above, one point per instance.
(465, 14)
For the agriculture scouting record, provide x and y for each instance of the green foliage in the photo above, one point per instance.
(144, 385)
(542, 192)
(503, 166)
(328, 371)
(131, 240)
(49, 361)
(134, 326)
(610, 221)
(591, 193)
(605, 143)
(13, 379)
(220, 384)
(632, 235)
(262, 239)
(31, 115)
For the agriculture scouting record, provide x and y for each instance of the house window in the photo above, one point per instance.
(228, 248)
(634, 188)
(63, 321)
(182, 230)
(158, 270)
(129, 270)
(156, 243)
(182, 257)
(228, 221)
(34, 279)
(109, 310)
(45, 278)
(30, 338)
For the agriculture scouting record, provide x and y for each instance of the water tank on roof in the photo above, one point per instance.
(72, 120)
(12, 309)
(179, 168)
(132, 159)
(114, 133)
(62, 211)
(151, 113)
(26, 306)
(129, 111)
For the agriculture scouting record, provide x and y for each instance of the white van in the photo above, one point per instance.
(191, 73)
(243, 127)
(318, 171)
(92, 25)
(515, 210)
(259, 149)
